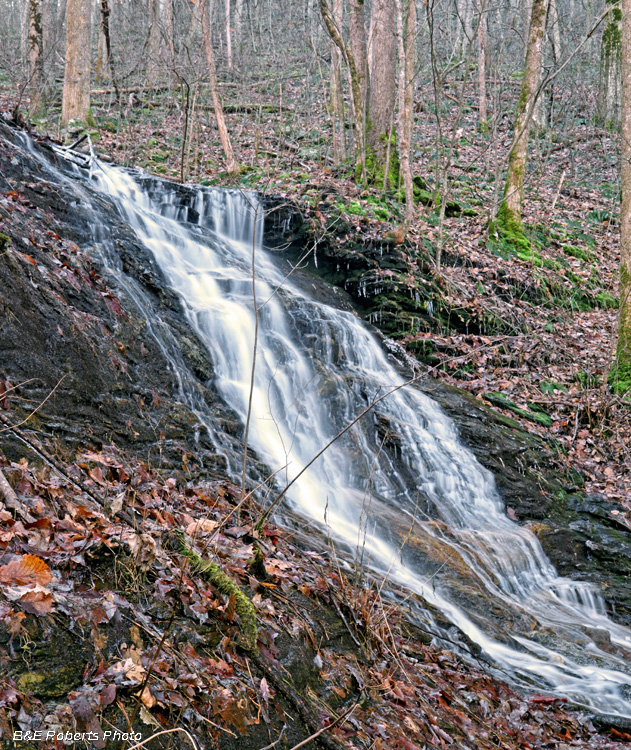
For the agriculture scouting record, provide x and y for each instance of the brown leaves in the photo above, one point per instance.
(24, 580)
(26, 570)
(36, 602)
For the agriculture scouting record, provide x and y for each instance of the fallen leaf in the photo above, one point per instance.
(147, 698)
(201, 526)
(22, 571)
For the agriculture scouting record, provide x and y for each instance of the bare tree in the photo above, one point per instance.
(381, 157)
(509, 216)
(36, 57)
(623, 374)
(406, 35)
(154, 41)
(206, 9)
(610, 84)
(356, 85)
(228, 34)
(357, 37)
(76, 94)
(482, 24)
(337, 100)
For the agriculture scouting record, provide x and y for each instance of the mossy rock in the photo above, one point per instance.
(538, 416)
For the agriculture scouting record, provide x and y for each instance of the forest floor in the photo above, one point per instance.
(108, 626)
(547, 341)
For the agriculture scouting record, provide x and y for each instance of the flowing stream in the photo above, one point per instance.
(398, 490)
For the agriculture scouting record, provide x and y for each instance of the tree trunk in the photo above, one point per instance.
(356, 97)
(166, 13)
(406, 37)
(337, 102)
(509, 215)
(482, 115)
(154, 42)
(621, 377)
(228, 35)
(104, 55)
(357, 35)
(381, 160)
(610, 87)
(206, 9)
(76, 94)
(36, 58)
(238, 29)
(466, 11)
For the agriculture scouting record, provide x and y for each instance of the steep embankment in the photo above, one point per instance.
(101, 602)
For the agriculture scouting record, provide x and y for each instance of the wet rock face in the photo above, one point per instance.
(65, 323)
(580, 535)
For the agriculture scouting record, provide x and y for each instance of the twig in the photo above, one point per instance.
(165, 731)
(273, 744)
(324, 729)
(556, 197)
(342, 432)
(221, 729)
(40, 451)
(26, 419)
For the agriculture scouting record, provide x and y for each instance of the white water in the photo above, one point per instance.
(317, 368)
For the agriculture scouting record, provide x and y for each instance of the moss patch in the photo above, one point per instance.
(225, 585)
(510, 228)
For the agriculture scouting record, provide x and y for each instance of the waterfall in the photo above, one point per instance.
(398, 488)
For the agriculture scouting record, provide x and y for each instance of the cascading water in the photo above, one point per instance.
(317, 369)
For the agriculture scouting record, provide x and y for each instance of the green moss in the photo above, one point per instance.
(606, 300)
(578, 252)
(376, 169)
(509, 227)
(537, 415)
(5, 241)
(612, 35)
(225, 585)
(549, 386)
(354, 208)
(257, 565)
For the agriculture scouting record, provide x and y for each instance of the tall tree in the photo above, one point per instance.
(482, 25)
(373, 72)
(206, 10)
(381, 153)
(357, 38)
(76, 95)
(228, 34)
(36, 57)
(337, 101)
(154, 41)
(356, 86)
(622, 379)
(509, 216)
(610, 84)
(105, 45)
(406, 36)
(238, 29)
